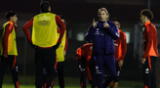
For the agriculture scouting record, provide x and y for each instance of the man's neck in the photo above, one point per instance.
(11, 21)
(106, 20)
(147, 22)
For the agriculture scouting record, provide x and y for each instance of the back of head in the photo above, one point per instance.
(148, 13)
(45, 5)
(10, 14)
(116, 21)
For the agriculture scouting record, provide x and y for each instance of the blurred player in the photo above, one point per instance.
(102, 34)
(120, 52)
(84, 56)
(60, 58)
(150, 50)
(45, 39)
(9, 49)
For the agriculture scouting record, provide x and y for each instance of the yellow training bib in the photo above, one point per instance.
(44, 31)
(60, 52)
(12, 44)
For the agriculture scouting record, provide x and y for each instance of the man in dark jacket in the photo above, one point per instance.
(102, 34)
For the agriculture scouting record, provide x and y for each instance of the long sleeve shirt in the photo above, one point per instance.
(59, 22)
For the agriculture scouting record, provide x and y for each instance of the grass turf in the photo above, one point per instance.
(123, 84)
(32, 86)
(28, 82)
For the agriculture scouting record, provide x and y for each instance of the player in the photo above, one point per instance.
(45, 39)
(60, 58)
(150, 48)
(84, 56)
(9, 50)
(120, 52)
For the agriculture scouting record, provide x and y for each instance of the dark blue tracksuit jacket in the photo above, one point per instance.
(103, 51)
(103, 39)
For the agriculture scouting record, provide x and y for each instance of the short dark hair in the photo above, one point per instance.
(148, 13)
(10, 14)
(44, 6)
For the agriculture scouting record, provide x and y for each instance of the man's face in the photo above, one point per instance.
(103, 15)
(117, 24)
(14, 18)
(142, 18)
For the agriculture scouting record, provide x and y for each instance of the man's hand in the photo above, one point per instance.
(94, 23)
(120, 63)
(143, 60)
(16, 25)
(56, 46)
(106, 25)
(82, 69)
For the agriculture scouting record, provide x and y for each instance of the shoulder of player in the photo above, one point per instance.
(87, 44)
(46, 13)
(150, 27)
(10, 24)
(123, 33)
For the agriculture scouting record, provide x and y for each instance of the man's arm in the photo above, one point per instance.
(62, 28)
(26, 30)
(124, 45)
(112, 30)
(148, 42)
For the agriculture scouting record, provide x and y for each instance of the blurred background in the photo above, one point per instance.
(78, 15)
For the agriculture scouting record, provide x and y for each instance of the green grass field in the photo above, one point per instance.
(32, 86)
(123, 84)
(28, 82)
